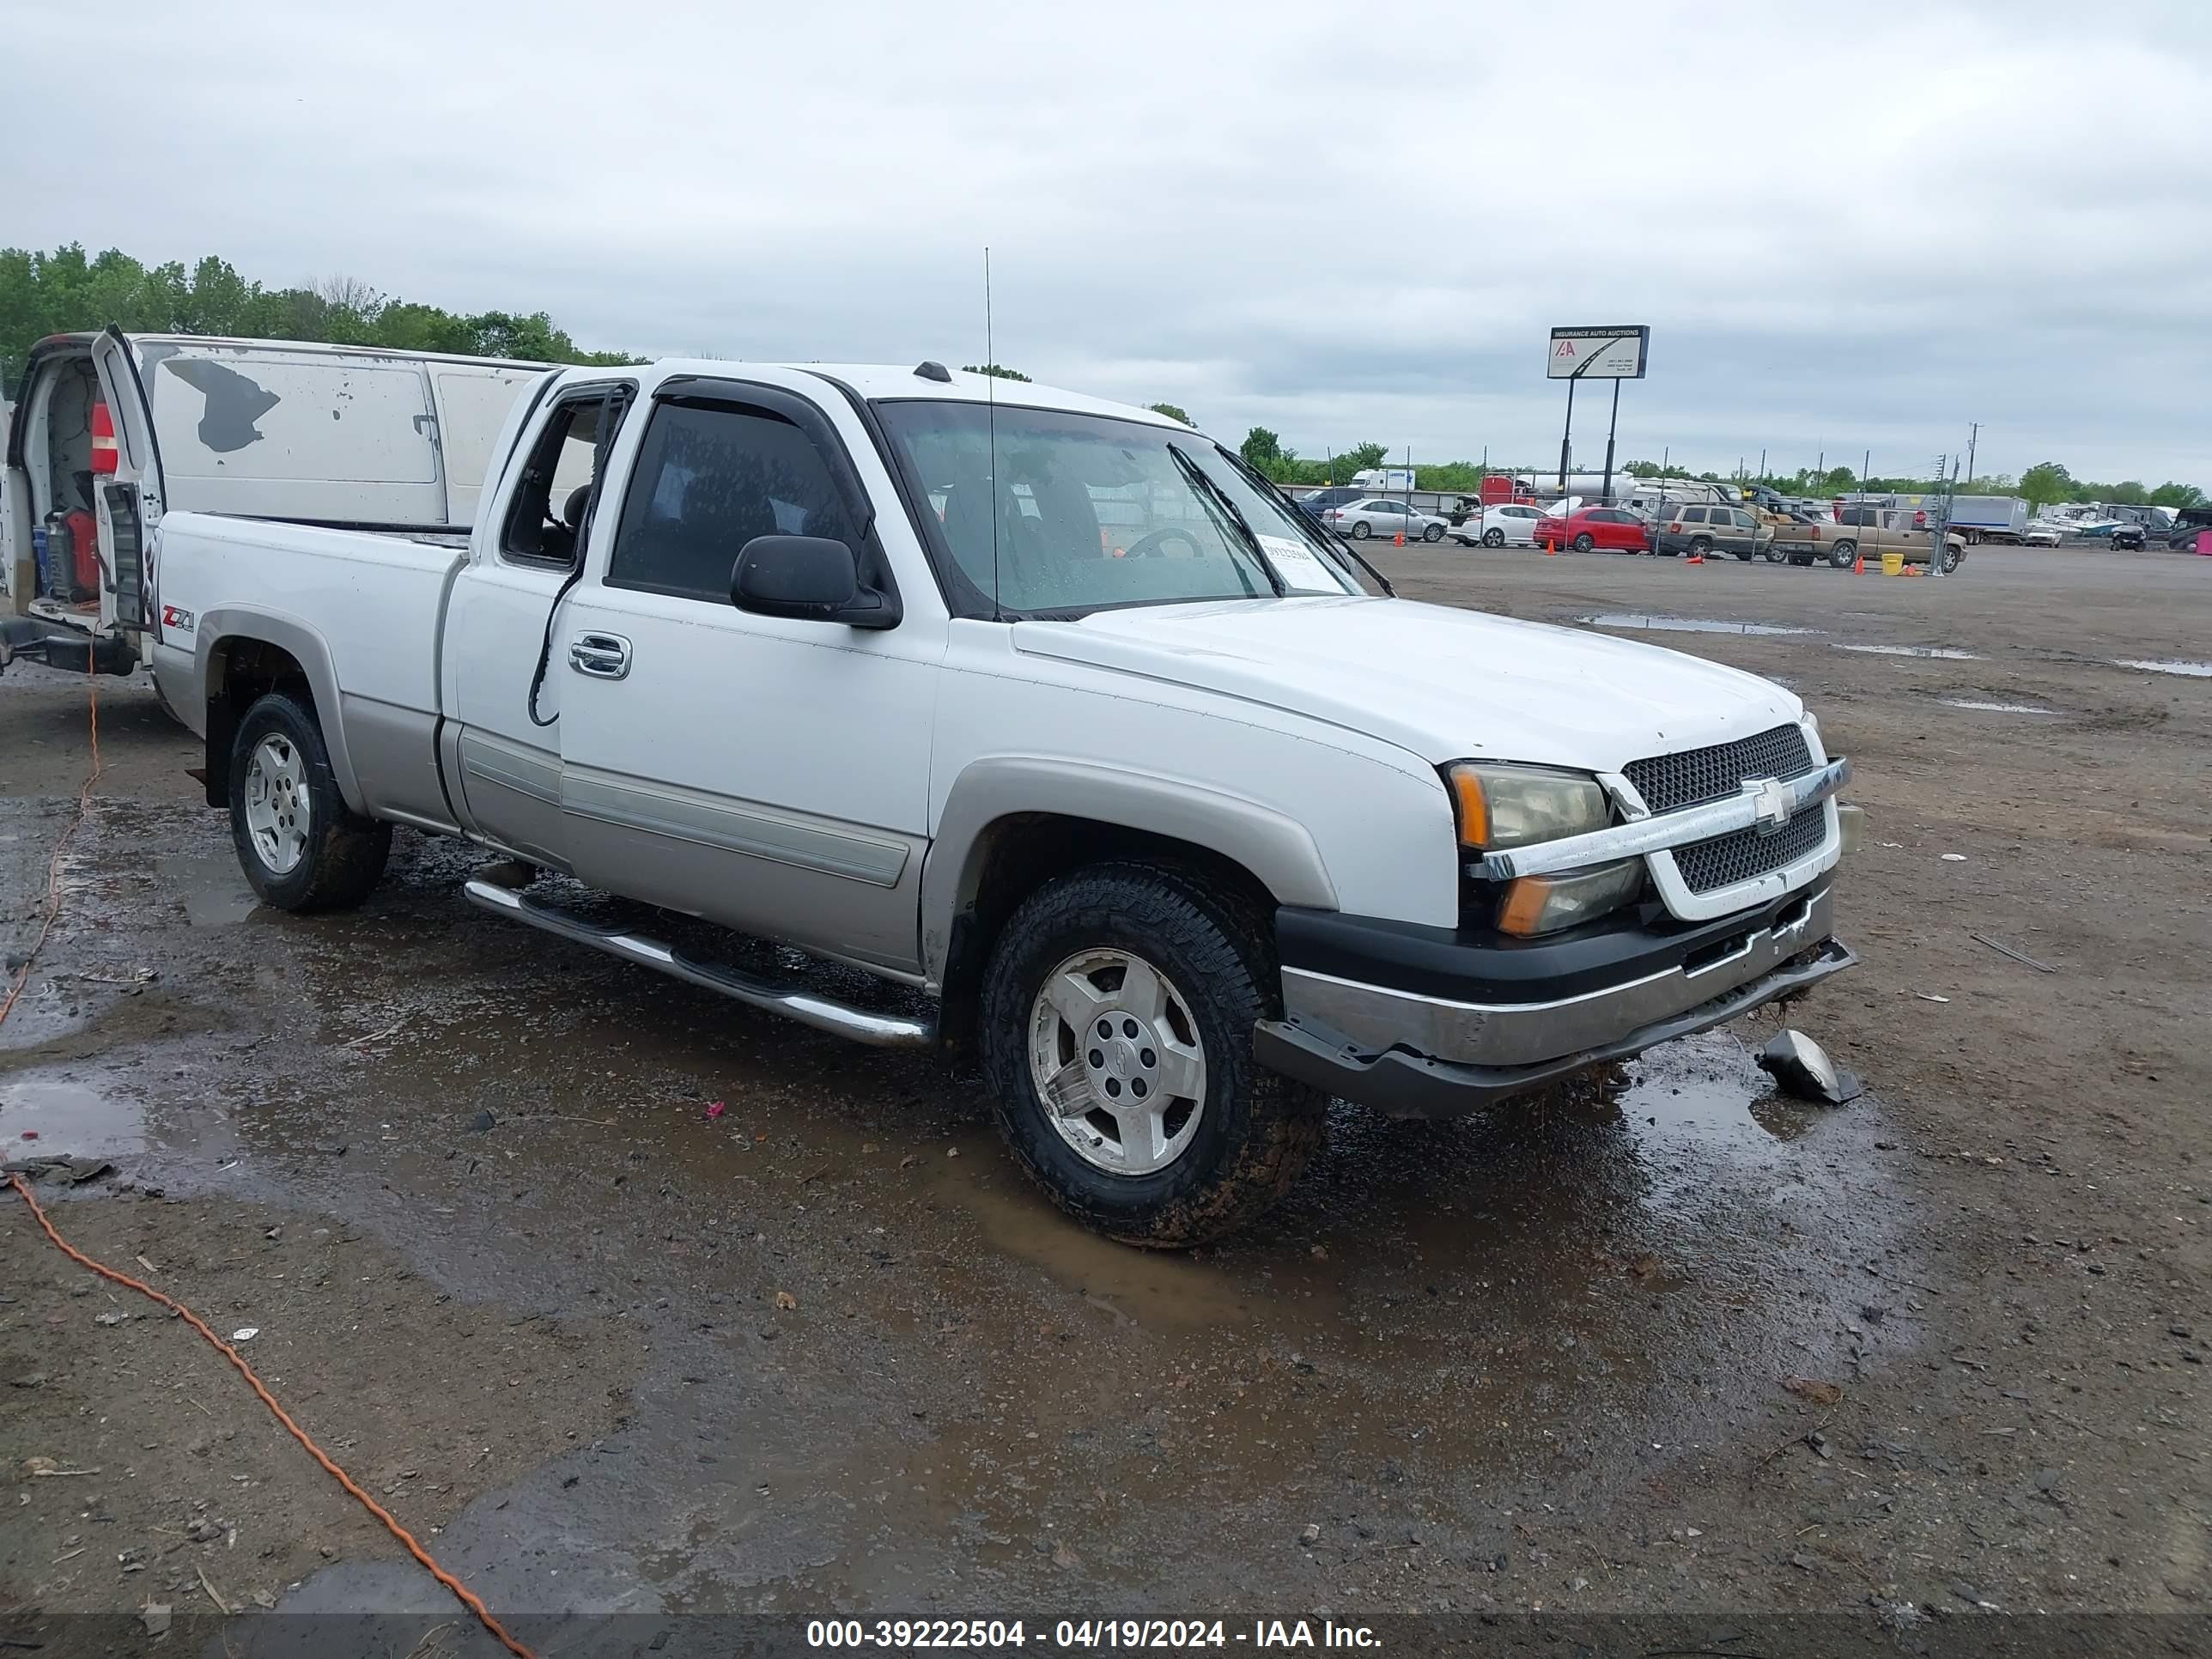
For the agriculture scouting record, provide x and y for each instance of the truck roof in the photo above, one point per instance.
(888, 382)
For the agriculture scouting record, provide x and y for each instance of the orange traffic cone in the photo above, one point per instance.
(1401, 538)
(1858, 568)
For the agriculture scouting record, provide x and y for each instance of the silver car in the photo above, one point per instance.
(1378, 515)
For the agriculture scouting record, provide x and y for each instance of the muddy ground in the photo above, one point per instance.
(823, 1352)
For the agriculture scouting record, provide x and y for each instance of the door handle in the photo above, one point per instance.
(603, 656)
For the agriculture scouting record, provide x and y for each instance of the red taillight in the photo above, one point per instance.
(1813, 533)
(104, 455)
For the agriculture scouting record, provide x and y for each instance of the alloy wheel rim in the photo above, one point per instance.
(1117, 1061)
(277, 817)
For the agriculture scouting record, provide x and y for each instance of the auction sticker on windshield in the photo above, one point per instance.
(1302, 573)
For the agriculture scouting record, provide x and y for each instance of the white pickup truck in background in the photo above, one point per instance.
(1044, 709)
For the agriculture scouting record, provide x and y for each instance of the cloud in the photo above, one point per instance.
(1844, 232)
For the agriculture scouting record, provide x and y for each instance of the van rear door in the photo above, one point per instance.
(126, 501)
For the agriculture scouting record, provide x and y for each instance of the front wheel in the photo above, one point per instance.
(1843, 555)
(1117, 1016)
(1493, 538)
(301, 846)
(1584, 542)
(1954, 557)
(1434, 532)
(1362, 530)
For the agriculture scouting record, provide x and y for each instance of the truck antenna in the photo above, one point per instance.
(991, 414)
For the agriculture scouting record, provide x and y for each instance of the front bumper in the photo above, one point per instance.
(1535, 1013)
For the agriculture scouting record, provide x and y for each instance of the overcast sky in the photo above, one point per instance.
(1847, 226)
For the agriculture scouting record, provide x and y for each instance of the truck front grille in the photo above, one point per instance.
(1738, 856)
(1668, 782)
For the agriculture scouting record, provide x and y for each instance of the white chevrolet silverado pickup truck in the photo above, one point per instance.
(1046, 710)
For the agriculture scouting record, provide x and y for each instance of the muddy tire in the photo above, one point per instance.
(1842, 556)
(301, 846)
(1116, 1037)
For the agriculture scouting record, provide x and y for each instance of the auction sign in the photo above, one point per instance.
(1598, 353)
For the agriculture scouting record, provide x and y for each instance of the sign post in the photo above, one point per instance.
(1596, 353)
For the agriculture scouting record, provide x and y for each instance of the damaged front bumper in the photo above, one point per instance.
(1435, 1027)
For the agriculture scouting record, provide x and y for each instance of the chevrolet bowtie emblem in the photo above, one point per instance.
(1771, 800)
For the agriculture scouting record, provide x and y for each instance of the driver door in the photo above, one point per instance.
(769, 773)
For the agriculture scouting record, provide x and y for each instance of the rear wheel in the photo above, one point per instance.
(1434, 532)
(1700, 546)
(1116, 1031)
(1493, 538)
(301, 846)
(1745, 554)
(1843, 555)
(1774, 555)
(1584, 542)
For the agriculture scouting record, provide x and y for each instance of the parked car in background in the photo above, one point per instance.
(1609, 529)
(1510, 524)
(1320, 501)
(2130, 537)
(2190, 525)
(2042, 533)
(1378, 515)
(1701, 530)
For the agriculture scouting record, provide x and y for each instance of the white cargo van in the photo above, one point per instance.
(111, 430)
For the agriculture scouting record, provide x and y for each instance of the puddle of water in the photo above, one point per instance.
(67, 1118)
(211, 885)
(1690, 624)
(2200, 671)
(1944, 652)
(1994, 707)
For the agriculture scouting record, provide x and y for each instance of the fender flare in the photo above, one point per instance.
(1277, 850)
(219, 629)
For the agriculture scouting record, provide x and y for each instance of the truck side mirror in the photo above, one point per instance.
(808, 579)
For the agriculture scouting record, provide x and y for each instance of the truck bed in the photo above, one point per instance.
(388, 589)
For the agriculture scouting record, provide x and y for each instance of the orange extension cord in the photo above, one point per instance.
(468, 1597)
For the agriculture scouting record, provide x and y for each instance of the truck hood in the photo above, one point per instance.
(1445, 683)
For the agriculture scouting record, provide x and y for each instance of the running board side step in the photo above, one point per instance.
(877, 1031)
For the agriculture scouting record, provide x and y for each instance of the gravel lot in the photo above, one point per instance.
(1904, 1369)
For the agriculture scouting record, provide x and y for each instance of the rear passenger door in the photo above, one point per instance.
(769, 773)
(502, 744)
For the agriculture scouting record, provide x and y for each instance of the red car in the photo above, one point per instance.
(1613, 528)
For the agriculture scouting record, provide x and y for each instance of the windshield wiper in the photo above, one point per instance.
(1196, 476)
(1302, 519)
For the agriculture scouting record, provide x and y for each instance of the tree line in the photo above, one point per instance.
(67, 291)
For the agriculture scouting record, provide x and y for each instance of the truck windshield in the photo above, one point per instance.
(1089, 512)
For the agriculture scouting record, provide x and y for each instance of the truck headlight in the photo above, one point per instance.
(1545, 904)
(1503, 806)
